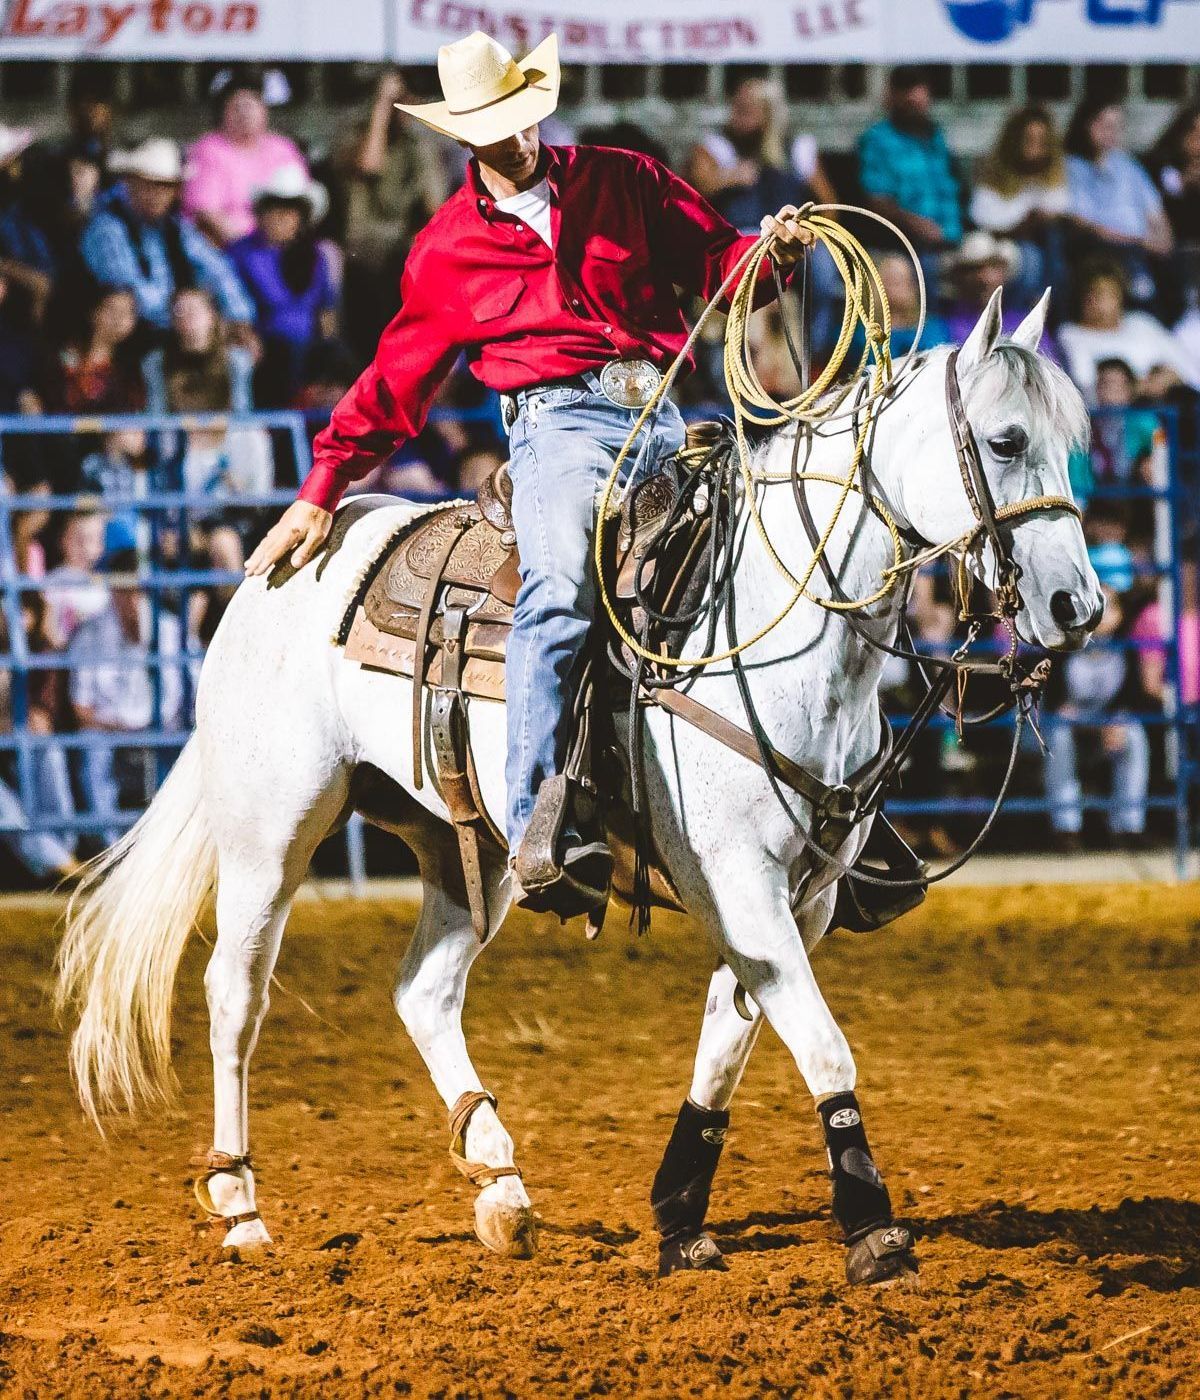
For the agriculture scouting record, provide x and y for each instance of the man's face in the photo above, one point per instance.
(981, 279)
(1114, 387)
(515, 158)
(151, 199)
(910, 105)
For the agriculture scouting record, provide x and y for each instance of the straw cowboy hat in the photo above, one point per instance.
(980, 247)
(157, 159)
(488, 95)
(292, 184)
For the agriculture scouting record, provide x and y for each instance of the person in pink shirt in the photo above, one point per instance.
(226, 166)
(1150, 631)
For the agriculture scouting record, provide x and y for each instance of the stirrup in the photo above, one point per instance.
(575, 882)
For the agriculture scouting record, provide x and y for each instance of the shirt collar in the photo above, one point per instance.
(550, 164)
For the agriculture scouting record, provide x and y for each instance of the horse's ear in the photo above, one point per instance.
(982, 340)
(1029, 333)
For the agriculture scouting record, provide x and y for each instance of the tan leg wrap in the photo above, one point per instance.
(479, 1174)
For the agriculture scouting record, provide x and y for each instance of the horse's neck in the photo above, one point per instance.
(815, 678)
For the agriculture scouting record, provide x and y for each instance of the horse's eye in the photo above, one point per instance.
(1009, 444)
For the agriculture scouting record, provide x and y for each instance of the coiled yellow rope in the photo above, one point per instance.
(866, 306)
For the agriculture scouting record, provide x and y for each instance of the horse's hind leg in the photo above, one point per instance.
(429, 998)
(262, 861)
(679, 1196)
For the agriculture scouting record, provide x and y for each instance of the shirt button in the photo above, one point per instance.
(608, 330)
(520, 228)
(575, 303)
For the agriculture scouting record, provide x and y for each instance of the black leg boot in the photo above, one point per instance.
(679, 1196)
(878, 1250)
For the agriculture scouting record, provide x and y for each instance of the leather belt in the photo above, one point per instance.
(624, 383)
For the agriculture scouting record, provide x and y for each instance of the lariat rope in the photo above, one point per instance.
(866, 305)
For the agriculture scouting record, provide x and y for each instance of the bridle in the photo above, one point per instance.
(994, 522)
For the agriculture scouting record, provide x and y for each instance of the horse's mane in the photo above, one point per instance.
(1057, 401)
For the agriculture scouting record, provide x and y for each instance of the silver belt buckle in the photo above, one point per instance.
(629, 383)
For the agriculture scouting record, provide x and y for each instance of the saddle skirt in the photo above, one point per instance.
(464, 557)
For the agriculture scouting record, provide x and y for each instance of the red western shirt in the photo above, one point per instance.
(478, 282)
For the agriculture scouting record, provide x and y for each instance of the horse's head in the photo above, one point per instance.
(1025, 416)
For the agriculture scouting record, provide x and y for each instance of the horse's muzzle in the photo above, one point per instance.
(1069, 612)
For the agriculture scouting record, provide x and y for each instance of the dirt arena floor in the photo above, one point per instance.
(1027, 1063)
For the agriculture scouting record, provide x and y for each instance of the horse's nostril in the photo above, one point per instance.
(1093, 620)
(1062, 608)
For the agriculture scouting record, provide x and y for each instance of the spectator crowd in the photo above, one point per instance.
(245, 273)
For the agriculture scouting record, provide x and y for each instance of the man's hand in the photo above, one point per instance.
(791, 237)
(302, 529)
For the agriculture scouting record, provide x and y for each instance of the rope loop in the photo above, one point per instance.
(816, 405)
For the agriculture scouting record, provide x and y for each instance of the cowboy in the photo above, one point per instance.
(138, 239)
(553, 269)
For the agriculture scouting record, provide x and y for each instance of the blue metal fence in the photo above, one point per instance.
(172, 510)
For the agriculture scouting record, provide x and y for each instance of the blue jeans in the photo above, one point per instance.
(563, 445)
(1130, 761)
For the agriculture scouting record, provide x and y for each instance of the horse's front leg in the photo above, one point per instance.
(429, 997)
(679, 1196)
(767, 954)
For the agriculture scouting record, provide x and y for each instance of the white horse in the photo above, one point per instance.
(290, 737)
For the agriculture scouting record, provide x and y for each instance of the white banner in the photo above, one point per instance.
(612, 31)
(654, 31)
(195, 29)
(816, 31)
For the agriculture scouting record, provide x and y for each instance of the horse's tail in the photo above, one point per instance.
(126, 926)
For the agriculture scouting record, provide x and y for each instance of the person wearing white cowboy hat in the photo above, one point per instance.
(136, 238)
(981, 263)
(553, 269)
(288, 273)
(291, 186)
(14, 141)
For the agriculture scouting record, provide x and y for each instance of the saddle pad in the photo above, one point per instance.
(483, 675)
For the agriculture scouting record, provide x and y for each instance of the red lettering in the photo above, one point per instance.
(198, 19)
(21, 24)
(112, 21)
(241, 19)
(69, 21)
(160, 15)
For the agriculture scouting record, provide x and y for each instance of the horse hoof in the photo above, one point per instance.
(700, 1252)
(247, 1234)
(505, 1229)
(883, 1256)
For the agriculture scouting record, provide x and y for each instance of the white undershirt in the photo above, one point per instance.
(533, 207)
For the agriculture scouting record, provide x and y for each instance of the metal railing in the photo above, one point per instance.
(170, 511)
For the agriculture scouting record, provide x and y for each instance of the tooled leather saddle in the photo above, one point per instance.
(437, 606)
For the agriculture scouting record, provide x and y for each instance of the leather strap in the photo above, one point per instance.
(421, 651)
(455, 768)
(215, 1164)
(716, 726)
(479, 1174)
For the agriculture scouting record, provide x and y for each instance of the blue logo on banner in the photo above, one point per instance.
(993, 21)
(989, 21)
